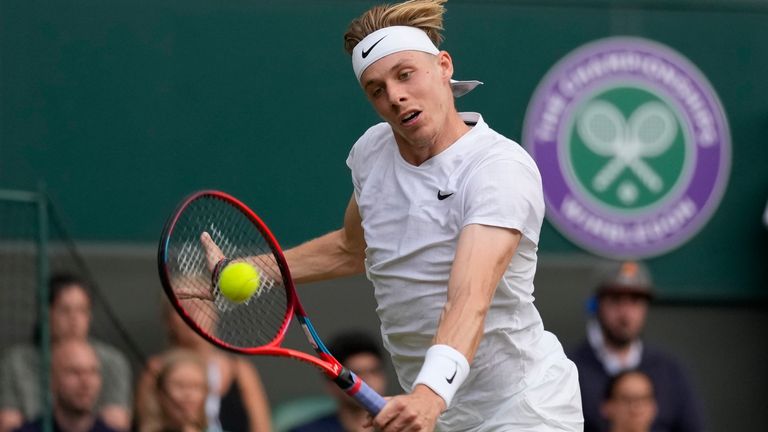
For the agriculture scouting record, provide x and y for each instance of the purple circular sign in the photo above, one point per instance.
(633, 146)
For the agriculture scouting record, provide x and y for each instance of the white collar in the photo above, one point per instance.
(612, 363)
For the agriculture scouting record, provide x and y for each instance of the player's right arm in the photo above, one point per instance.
(336, 254)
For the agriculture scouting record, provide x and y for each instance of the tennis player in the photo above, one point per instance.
(445, 221)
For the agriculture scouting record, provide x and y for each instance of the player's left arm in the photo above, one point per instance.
(482, 255)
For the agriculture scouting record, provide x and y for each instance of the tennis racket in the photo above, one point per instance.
(258, 324)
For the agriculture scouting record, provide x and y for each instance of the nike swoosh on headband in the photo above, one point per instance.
(370, 48)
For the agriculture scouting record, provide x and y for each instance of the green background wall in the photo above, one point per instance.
(124, 107)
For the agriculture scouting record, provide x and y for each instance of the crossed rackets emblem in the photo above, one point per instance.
(649, 132)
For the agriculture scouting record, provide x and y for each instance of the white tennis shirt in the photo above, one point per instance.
(412, 217)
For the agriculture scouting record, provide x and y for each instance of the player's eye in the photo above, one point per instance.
(378, 91)
(404, 75)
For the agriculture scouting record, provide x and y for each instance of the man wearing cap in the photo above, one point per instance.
(613, 345)
(444, 220)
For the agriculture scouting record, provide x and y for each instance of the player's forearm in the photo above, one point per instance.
(325, 257)
(462, 321)
(482, 256)
(447, 362)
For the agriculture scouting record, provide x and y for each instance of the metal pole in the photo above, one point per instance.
(42, 283)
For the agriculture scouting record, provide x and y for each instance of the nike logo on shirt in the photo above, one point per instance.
(441, 197)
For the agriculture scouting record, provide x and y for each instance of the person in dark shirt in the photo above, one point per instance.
(614, 344)
(360, 353)
(75, 384)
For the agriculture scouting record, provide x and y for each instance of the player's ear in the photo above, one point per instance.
(445, 62)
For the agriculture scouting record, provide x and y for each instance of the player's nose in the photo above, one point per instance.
(397, 94)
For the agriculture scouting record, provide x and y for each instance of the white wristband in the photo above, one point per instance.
(443, 371)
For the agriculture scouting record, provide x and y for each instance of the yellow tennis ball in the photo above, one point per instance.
(239, 281)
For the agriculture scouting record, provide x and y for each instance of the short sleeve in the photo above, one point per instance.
(365, 153)
(353, 164)
(505, 193)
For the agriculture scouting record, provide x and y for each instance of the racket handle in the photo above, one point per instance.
(361, 392)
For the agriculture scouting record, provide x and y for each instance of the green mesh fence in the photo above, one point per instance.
(19, 267)
(23, 281)
(33, 245)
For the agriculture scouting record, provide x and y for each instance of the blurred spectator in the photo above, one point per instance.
(75, 385)
(362, 355)
(235, 400)
(177, 402)
(614, 344)
(629, 404)
(69, 318)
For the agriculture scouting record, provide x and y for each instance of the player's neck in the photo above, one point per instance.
(416, 153)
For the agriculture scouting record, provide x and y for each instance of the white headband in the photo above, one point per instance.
(390, 40)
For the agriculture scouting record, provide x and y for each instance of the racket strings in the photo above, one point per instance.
(254, 322)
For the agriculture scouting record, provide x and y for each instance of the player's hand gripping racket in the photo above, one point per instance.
(245, 301)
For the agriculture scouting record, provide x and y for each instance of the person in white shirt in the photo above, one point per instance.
(444, 220)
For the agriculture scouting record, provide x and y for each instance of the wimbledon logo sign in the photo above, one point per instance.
(633, 147)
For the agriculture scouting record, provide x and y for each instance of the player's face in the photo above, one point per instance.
(632, 406)
(622, 317)
(76, 378)
(410, 90)
(70, 314)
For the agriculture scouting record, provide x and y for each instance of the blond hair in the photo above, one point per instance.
(426, 15)
(153, 419)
